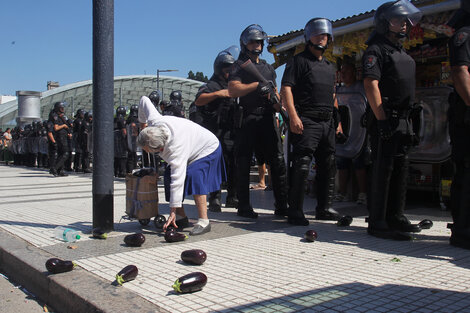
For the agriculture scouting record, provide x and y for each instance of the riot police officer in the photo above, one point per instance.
(132, 134)
(61, 134)
(85, 140)
(43, 147)
(308, 92)
(389, 82)
(175, 106)
(257, 125)
(77, 124)
(52, 144)
(120, 142)
(216, 110)
(459, 125)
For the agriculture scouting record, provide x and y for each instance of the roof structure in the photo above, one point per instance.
(351, 32)
(127, 91)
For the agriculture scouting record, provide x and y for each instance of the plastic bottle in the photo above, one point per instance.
(66, 234)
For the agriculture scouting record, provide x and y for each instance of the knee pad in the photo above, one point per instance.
(303, 164)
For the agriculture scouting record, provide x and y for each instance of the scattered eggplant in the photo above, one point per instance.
(128, 273)
(134, 240)
(425, 224)
(99, 233)
(194, 256)
(345, 220)
(159, 221)
(311, 235)
(190, 283)
(56, 266)
(174, 236)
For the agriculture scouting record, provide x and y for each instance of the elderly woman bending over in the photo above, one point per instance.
(196, 164)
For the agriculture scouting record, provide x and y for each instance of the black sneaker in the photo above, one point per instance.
(215, 208)
(403, 224)
(62, 173)
(388, 234)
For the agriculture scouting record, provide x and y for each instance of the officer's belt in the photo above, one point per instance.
(259, 111)
(318, 115)
(397, 114)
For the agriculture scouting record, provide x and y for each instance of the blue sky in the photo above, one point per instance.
(52, 39)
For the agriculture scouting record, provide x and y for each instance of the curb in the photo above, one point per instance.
(76, 291)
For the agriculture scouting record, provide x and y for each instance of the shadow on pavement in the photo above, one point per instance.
(354, 296)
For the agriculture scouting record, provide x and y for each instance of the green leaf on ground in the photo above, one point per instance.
(395, 259)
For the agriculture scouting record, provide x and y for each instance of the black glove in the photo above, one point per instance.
(385, 131)
(341, 138)
(263, 88)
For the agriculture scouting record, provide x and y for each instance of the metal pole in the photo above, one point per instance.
(103, 98)
(158, 80)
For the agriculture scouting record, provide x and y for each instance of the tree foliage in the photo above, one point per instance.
(199, 76)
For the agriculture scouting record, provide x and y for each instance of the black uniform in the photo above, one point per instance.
(173, 108)
(120, 146)
(133, 130)
(258, 128)
(84, 140)
(395, 70)
(459, 130)
(52, 145)
(218, 117)
(312, 81)
(78, 158)
(61, 138)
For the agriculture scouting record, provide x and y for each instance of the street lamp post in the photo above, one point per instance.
(158, 78)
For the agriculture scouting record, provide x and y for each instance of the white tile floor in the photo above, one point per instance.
(272, 271)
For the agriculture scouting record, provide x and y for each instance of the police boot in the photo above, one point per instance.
(396, 201)
(325, 190)
(214, 201)
(377, 201)
(231, 201)
(298, 177)
(461, 230)
(279, 183)
(122, 167)
(243, 184)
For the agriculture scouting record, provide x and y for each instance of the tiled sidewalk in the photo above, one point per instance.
(252, 266)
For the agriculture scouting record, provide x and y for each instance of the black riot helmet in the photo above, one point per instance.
(225, 59)
(401, 9)
(59, 107)
(176, 95)
(154, 96)
(317, 26)
(120, 111)
(134, 109)
(80, 113)
(252, 32)
(88, 116)
(462, 16)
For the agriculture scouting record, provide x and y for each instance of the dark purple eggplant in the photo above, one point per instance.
(311, 235)
(134, 240)
(345, 221)
(159, 221)
(425, 224)
(190, 283)
(174, 236)
(128, 273)
(194, 256)
(97, 232)
(55, 266)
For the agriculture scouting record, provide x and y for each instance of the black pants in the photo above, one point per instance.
(262, 131)
(317, 140)
(387, 190)
(63, 153)
(460, 189)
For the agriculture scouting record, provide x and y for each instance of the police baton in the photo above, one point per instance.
(250, 68)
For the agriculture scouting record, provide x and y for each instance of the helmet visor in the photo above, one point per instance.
(253, 32)
(403, 11)
(317, 27)
(234, 51)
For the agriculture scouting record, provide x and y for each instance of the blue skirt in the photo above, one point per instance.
(203, 176)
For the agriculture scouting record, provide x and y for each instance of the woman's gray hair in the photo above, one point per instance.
(155, 137)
